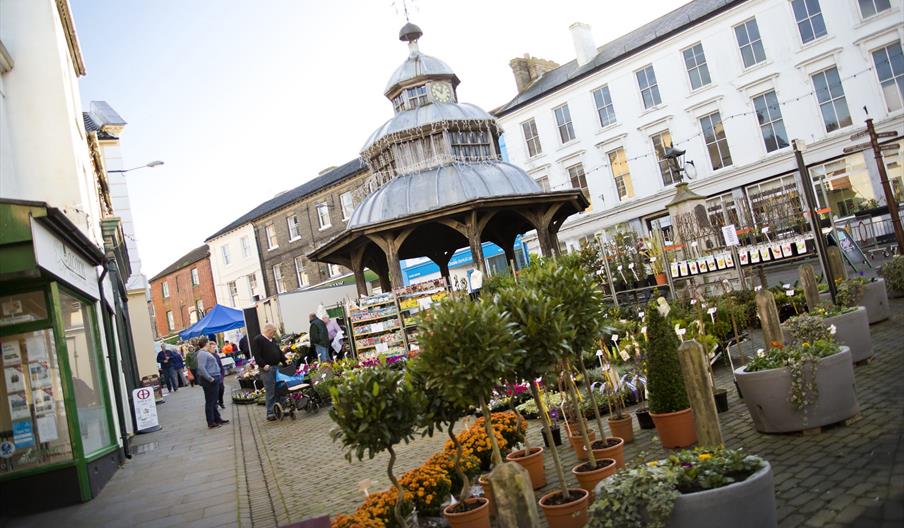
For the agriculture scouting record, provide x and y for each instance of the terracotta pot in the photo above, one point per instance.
(589, 479)
(569, 515)
(623, 428)
(488, 493)
(675, 429)
(643, 419)
(532, 462)
(476, 518)
(577, 443)
(661, 279)
(616, 452)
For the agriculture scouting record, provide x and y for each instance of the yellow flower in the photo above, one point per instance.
(704, 456)
(653, 463)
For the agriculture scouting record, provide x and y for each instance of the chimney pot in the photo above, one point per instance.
(584, 47)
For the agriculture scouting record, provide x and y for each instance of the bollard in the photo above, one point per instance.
(808, 283)
(513, 493)
(695, 371)
(766, 309)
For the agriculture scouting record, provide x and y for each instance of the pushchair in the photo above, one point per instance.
(293, 393)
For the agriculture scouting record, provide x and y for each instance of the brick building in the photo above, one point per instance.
(308, 216)
(183, 292)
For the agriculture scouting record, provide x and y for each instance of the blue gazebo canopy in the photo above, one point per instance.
(219, 319)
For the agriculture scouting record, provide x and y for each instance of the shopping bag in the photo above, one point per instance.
(189, 375)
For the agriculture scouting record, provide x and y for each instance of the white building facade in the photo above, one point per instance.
(236, 267)
(730, 82)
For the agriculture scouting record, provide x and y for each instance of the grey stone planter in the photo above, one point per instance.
(875, 300)
(748, 504)
(766, 396)
(852, 329)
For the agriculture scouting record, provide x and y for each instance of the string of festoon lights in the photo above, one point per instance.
(688, 139)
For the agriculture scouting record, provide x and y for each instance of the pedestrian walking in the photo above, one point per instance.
(320, 338)
(210, 373)
(166, 359)
(191, 361)
(268, 355)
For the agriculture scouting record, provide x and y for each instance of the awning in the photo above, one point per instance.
(219, 319)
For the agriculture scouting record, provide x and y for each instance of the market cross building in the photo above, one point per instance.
(438, 183)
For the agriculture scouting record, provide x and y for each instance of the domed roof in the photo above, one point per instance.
(441, 187)
(418, 65)
(425, 115)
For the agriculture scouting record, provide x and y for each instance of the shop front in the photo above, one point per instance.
(57, 432)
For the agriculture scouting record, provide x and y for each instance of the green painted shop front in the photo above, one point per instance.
(57, 435)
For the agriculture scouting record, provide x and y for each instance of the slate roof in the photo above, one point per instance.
(93, 126)
(620, 49)
(191, 257)
(334, 176)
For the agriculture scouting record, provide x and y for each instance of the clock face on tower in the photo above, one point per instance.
(441, 92)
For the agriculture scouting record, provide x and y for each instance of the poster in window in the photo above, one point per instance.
(47, 428)
(18, 406)
(801, 246)
(765, 256)
(23, 435)
(36, 348)
(43, 401)
(39, 372)
(15, 378)
(711, 263)
(12, 354)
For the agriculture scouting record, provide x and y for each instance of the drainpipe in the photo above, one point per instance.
(114, 365)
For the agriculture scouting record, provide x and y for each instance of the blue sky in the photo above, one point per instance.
(243, 100)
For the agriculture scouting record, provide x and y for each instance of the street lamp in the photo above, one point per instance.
(677, 161)
(150, 165)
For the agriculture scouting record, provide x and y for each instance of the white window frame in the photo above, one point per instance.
(278, 282)
(270, 235)
(233, 289)
(334, 270)
(246, 246)
(655, 96)
(607, 109)
(706, 144)
(531, 126)
(300, 274)
(224, 254)
(566, 126)
(615, 178)
(750, 43)
(673, 175)
(698, 66)
(165, 289)
(877, 13)
(808, 19)
(347, 208)
(581, 176)
(324, 208)
(832, 101)
(895, 78)
(543, 182)
(772, 120)
(252, 284)
(292, 224)
(199, 306)
(170, 320)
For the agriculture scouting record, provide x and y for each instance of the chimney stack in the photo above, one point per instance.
(584, 48)
(528, 69)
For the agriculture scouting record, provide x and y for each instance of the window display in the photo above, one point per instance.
(87, 375)
(33, 428)
(844, 186)
(22, 308)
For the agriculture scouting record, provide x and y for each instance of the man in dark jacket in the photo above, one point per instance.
(245, 347)
(267, 355)
(320, 338)
(167, 363)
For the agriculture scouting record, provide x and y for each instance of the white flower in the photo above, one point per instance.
(832, 329)
(760, 352)
(641, 314)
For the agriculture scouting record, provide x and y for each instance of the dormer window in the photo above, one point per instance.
(470, 145)
(410, 98)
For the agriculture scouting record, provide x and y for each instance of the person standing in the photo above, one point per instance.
(179, 367)
(167, 368)
(267, 355)
(209, 376)
(476, 279)
(245, 347)
(320, 338)
(191, 361)
(222, 388)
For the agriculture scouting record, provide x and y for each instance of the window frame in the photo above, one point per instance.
(808, 18)
(897, 80)
(270, 236)
(195, 277)
(771, 122)
(233, 288)
(609, 109)
(648, 71)
(832, 101)
(673, 174)
(252, 284)
(567, 126)
(581, 177)
(699, 67)
(333, 270)
(875, 14)
(170, 320)
(535, 138)
(245, 242)
(750, 43)
(616, 178)
(301, 275)
(324, 206)
(290, 225)
(164, 289)
(351, 202)
(278, 281)
(716, 140)
(224, 254)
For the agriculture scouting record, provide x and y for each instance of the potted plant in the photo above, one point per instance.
(669, 405)
(806, 383)
(656, 254)
(711, 488)
(467, 347)
(852, 328)
(871, 294)
(376, 408)
(893, 273)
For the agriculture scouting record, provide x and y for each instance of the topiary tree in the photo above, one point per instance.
(544, 335)
(376, 408)
(664, 381)
(466, 347)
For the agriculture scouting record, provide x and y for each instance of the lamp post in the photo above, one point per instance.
(149, 165)
(677, 161)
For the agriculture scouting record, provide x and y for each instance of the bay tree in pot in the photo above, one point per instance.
(466, 348)
(376, 408)
(669, 405)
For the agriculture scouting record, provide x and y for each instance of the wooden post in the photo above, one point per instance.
(766, 309)
(360, 281)
(836, 263)
(695, 371)
(808, 283)
(513, 493)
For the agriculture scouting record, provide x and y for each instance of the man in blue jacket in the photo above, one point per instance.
(167, 360)
(210, 376)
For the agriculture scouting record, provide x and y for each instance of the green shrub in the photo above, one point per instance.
(664, 382)
(893, 273)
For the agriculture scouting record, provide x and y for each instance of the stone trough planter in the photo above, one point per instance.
(766, 396)
(851, 329)
(874, 299)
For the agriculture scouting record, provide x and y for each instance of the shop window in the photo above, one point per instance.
(23, 308)
(895, 170)
(776, 203)
(33, 418)
(844, 185)
(87, 372)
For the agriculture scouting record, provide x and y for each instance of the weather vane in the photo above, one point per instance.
(404, 3)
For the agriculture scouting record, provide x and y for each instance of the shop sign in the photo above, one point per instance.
(145, 408)
(56, 257)
(108, 291)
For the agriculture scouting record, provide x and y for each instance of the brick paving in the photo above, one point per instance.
(262, 474)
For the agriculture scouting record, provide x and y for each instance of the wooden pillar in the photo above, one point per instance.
(360, 281)
(808, 284)
(395, 268)
(385, 283)
(391, 243)
(509, 255)
(695, 371)
(766, 309)
(836, 263)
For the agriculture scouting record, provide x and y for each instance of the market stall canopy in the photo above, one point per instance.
(219, 319)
